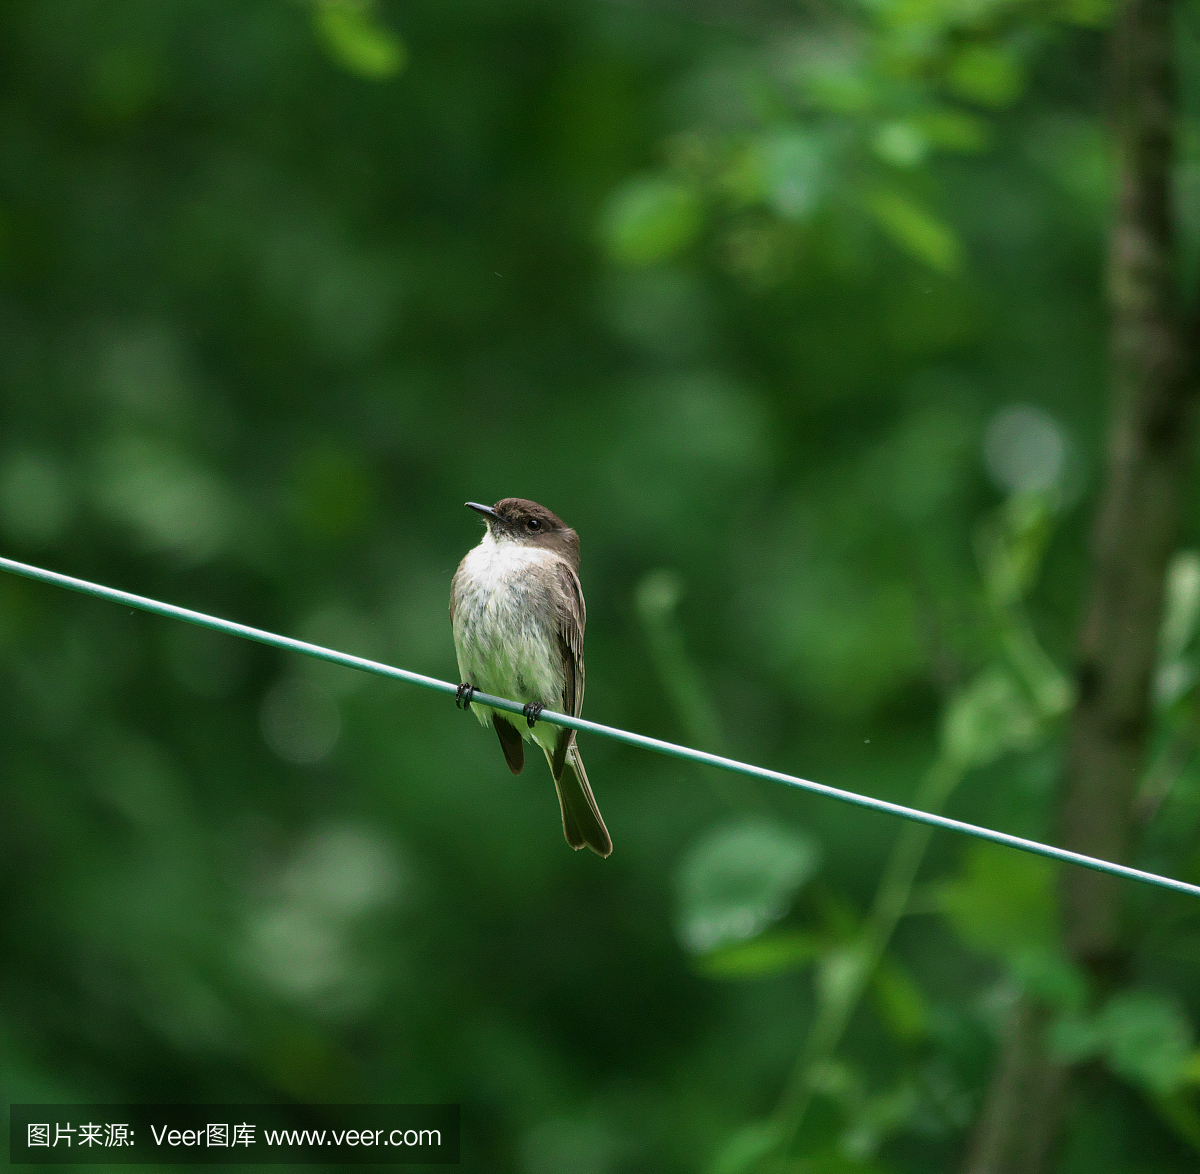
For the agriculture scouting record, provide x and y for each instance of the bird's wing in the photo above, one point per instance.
(572, 617)
(454, 590)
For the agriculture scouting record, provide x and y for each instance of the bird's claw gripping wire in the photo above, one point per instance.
(463, 695)
(532, 711)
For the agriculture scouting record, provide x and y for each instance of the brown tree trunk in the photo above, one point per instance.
(1135, 532)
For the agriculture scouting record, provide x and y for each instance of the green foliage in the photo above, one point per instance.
(354, 38)
(1142, 1036)
(173, 506)
(770, 953)
(1003, 901)
(650, 219)
(989, 717)
(738, 880)
(899, 1001)
(870, 1116)
(793, 170)
(1000, 904)
(1048, 976)
(834, 1163)
(809, 126)
(1009, 704)
(987, 74)
(1176, 672)
(916, 231)
(742, 1153)
(1010, 547)
(769, 301)
(657, 601)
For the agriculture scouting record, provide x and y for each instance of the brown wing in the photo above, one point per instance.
(510, 743)
(572, 618)
(454, 590)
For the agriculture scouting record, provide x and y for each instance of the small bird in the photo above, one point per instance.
(518, 615)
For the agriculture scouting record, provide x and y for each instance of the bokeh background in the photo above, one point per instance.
(796, 313)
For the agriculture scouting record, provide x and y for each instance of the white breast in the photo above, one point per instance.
(493, 566)
(503, 630)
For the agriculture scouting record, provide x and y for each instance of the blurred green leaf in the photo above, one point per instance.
(833, 1161)
(1176, 674)
(840, 1080)
(987, 718)
(876, 1118)
(1048, 975)
(657, 599)
(953, 130)
(1078, 154)
(36, 497)
(1190, 1073)
(1052, 691)
(841, 973)
(650, 219)
(901, 1004)
(917, 231)
(125, 81)
(173, 504)
(739, 879)
(1075, 1038)
(795, 171)
(986, 74)
(1181, 1115)
(1147, 1040)
(1143, 1037)
(1182, 604)
(769, 954)
(742, 1153)
(1010, 545)
(1088, 13)
(354, 38)
(1003, 901)
(838, 78)
(900, 143)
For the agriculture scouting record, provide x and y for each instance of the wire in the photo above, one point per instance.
(576, 723)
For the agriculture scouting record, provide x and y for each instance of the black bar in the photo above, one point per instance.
(214, 1135)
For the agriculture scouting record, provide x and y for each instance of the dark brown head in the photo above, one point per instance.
(516, 519)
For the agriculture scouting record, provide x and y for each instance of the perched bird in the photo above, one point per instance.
(518, 616)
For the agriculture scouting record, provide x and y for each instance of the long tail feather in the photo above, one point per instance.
(582, 823)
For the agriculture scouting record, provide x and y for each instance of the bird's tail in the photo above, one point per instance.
(582, 823)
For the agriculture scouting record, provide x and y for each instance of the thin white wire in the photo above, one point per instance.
(156, 607)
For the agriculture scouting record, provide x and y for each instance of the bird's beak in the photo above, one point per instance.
(486, 510)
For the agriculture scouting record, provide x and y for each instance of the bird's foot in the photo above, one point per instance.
(532, 712)
(463, 695)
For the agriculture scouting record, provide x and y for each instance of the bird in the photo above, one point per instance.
(517, 611)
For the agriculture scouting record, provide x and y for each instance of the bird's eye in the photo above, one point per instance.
(534, 524)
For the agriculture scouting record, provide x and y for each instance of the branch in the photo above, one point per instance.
(1134, 535)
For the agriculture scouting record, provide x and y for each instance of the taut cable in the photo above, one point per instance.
(231, 628)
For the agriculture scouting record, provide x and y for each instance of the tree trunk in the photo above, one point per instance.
(1135, 532)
